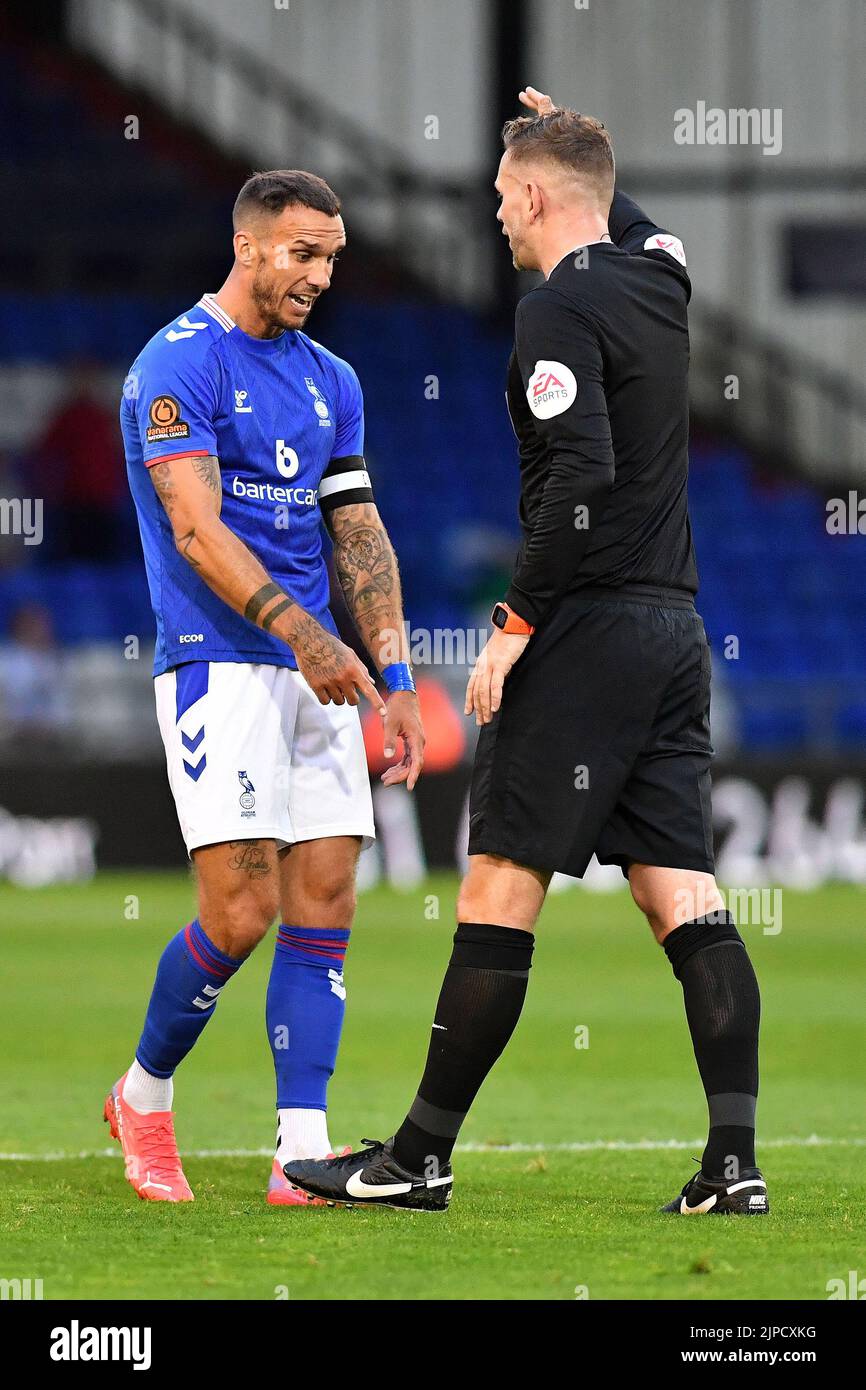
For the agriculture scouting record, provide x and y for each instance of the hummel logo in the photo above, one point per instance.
(241, 407)
(173, 336)
(337, 986)
(212, 993)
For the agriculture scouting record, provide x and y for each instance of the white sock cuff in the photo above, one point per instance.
(302, 1134)
(145, 1093)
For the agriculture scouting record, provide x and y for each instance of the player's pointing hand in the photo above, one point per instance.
(332, 670)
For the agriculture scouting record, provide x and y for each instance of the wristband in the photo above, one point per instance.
(398, 676)
(508, 621)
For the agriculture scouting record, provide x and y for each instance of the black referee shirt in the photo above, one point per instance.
(598, 396)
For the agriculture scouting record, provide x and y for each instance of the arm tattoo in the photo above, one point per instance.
(259, 599)
(207, 470)
(361, 553)
(322, 652)
(367, 570)
(183, 544)
(270, 618)
(259, 602)
(160, 476)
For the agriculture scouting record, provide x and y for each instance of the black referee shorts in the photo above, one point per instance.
(602, 742)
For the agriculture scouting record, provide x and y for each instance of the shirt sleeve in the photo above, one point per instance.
(634, 231)
(346, 481)
(175, 404)
(560, 361)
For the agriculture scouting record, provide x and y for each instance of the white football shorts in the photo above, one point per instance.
(253, 755)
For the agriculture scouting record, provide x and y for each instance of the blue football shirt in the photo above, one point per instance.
(285, 418)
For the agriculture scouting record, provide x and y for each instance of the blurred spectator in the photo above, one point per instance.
(34, 695)
(80, 473)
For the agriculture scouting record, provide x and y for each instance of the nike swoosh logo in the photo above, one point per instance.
(356, 1187)
(707, 1205)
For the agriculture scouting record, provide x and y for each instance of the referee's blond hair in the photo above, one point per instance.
(579, 145)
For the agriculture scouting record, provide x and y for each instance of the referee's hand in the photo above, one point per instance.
(484, 691)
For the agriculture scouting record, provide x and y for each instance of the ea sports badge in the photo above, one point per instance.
(663, 241)
(552, 389)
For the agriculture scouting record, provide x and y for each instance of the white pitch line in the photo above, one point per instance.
(812, 1141)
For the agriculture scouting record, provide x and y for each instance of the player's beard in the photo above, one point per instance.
(268, 299)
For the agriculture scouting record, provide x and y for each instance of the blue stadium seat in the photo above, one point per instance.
(794, 596)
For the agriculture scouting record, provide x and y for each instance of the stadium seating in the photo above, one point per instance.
(439, 443)
(446, 478)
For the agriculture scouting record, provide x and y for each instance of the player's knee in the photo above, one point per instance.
(469, 904)
(658, 923)
(242, 918)
(640, 889)
(656, 917)
(659, 915)
(325, 901)
(492, 903)
(669, 899)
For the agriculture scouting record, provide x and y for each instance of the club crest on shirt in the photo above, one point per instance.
(320, 405)
(246, 797)
(552, 389)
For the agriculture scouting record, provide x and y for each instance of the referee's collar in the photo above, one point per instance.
(600, 241)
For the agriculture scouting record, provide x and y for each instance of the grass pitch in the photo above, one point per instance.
(570, 1210)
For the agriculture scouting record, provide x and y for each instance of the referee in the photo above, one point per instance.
(593, 692)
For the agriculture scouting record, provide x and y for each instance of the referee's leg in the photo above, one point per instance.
(687, 915)
(479, 1004)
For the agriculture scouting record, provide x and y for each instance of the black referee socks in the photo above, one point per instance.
(723, 1008)
(479, 1005)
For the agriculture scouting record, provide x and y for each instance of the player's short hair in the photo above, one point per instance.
(269, 192)
(577, 143)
